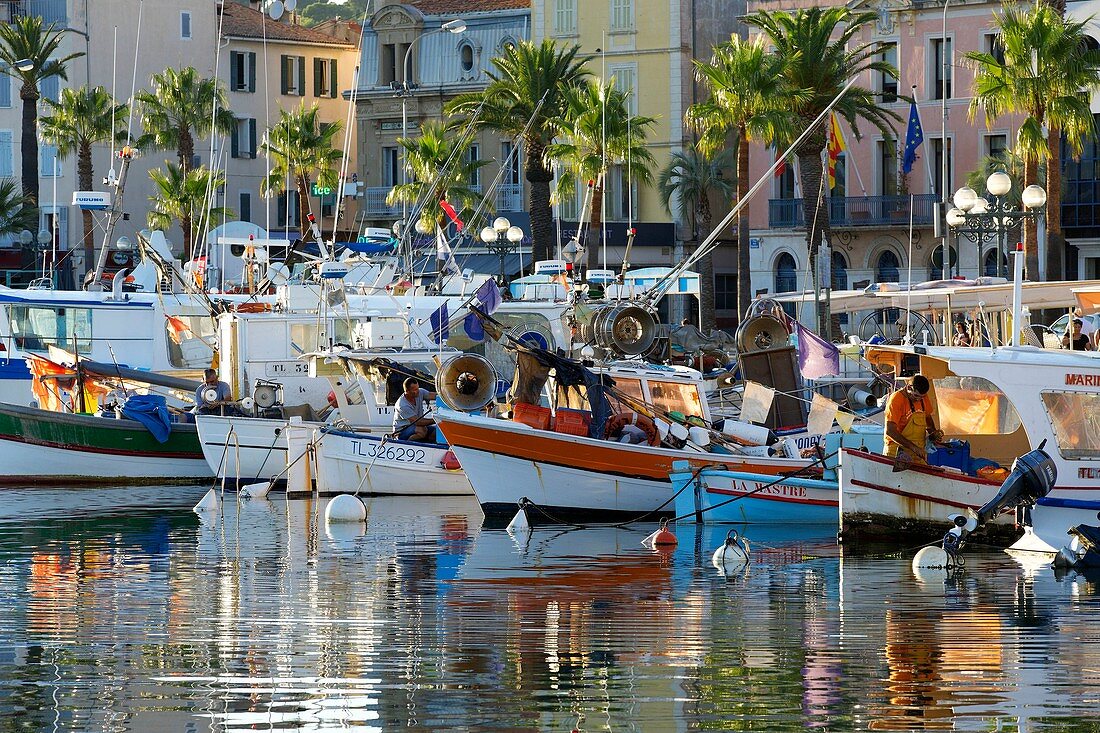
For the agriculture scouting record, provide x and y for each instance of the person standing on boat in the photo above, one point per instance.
(1077, 341)
(962, 338)
(909, 422)
(206, 406)
(409, 420)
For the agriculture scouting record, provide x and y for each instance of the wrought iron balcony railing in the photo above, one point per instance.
(855, 211)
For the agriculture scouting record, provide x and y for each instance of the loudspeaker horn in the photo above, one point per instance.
(860, 398)
(466, 382)
(265, 395)
(625, 329)
(761, 333)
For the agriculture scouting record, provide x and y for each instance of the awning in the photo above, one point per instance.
(486, 264)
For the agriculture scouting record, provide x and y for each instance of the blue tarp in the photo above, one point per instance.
(151, 411)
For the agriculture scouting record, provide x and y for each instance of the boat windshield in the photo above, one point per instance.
(37, 327)
(1075, 417)
(974, 406)
(676, 397)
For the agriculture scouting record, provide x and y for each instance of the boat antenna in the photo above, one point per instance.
(708, 245)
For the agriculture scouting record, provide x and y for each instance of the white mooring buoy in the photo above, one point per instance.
(931, 557)
(732, 556)
(207, 503)
(519, 523)
(256, 491)
(345, 508)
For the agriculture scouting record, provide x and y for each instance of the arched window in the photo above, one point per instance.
(507, 43)
(887, 268)
(786, 273)
(840, 272)
(466, 53)
(991, 263)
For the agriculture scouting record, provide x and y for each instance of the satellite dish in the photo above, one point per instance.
(275, 9)
(290, 5)
(278, 273)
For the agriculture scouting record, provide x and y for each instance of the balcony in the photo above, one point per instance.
(509, 197)
(374, 203)
(858, 211)
(52, 11)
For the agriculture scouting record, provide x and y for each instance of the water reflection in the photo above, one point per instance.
(126, 611)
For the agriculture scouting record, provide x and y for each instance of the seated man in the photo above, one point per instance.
(205, 406)
(909, 422)
(409, 421)
(1074, 339)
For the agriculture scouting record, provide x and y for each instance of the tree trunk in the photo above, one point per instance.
(815, 212)
(186, 150)
(1056, 242)
(706, 266)
(303, 208)
(29, 142)
(185, 225)
(84, 176)
(744, 279)
(595, 227)
(542, 216)
(1031, 250)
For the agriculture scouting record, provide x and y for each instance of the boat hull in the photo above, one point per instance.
(573, 478)
(747, 498)
(42, 447)
(368, 463)
(256, 452)
(878, 502)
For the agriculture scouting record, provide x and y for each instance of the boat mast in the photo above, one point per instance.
(113, 215)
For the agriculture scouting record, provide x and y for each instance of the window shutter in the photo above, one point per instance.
(234, 141)
(234, 64)
(301, 76)
(318, 77)
(5, 89)
(332, 90)
(245, 214)
(284, 81)
(6, 167)
(251, 71)
(252, 138)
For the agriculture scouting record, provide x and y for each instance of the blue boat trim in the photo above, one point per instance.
(1069, 503)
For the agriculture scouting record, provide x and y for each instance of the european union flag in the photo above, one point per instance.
(440, 324)
(914, 136)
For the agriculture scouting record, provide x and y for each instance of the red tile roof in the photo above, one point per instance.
(241, 21)
(457, 7)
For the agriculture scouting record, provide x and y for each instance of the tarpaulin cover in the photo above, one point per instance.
(151, 411)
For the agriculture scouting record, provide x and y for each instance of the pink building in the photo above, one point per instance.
(871, 204)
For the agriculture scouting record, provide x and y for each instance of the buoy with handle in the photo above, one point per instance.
(663, 537)
(732, 556)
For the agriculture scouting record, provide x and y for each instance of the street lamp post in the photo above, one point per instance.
(404, 90)
(501, 239)
(977, 217)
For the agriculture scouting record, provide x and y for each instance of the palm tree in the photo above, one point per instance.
(690, 178)
(439, 168)
(181, 107)
(822, 52)
(1046, 67)
(28, 43)
(598, 131)
(746, 87)
(185, 196)
(80, 119)
(526, 96)
(15, 213)
(301, 150)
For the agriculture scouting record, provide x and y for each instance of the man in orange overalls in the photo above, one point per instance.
(909, 422)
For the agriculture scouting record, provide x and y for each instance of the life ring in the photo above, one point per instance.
(616, 422)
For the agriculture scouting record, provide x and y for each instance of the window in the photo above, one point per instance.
(725, 292)
(197, 332)
(466, 57)
(388, 66)
(288, 209)
(784, 180)
(568, 208)
(244, 207)
(938, 166)
(243, 139)
(996, 145)
(391, 167)
(994, 263)
(840, 272)
(888, 83)
(624, 76)
(994, 47)
(293, 72)
(242, 71)
(5, 87)
(676, 397)
(36, 327)
(941, 54)
(473, 155)
(50, 88)
(55, 220)
(565, 17)
(888, 267)
(622, 15)
(973, 406)
(185, 25)
(49, 164)
(620, 196)
(786, 273)
(1075, 417)
(840, 173)
(511, 160)
(324, 78)
(7, 169)
(888, 167)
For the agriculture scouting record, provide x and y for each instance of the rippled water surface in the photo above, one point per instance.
(122, 610)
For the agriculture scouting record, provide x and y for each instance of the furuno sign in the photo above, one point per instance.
(1083, 380)
(92, 200)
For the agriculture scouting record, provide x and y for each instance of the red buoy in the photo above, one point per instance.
(664, 536)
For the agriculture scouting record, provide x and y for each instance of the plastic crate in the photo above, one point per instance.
(954, 454)
(534, 415)
(572, 422)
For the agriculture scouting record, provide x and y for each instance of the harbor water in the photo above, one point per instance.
(123, 610)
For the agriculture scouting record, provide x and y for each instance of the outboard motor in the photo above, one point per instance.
(1032, 477)
(1089, 539)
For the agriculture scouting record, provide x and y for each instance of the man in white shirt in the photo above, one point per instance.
(409, 421)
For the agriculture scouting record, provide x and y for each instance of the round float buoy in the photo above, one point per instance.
(664, 535)
(732, 556)
(345, 508)
(932, 556)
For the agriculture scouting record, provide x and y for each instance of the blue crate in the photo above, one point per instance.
(953, 454)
